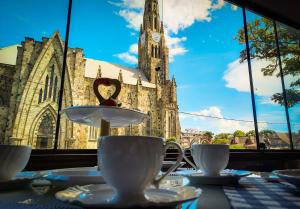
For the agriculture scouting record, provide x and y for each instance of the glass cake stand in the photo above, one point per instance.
(104, 117)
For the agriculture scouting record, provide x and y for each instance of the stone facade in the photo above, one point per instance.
(30, 88)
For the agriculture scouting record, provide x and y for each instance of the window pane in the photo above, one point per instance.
(186, 74)
(31, 55)
(272, 122)
(289, 43)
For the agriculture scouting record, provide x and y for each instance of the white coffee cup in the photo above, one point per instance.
(131, 163)
(13, 159)
(209, 158)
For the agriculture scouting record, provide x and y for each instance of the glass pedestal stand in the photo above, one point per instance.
(104, 117)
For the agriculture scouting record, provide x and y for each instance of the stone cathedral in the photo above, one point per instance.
(30, 83)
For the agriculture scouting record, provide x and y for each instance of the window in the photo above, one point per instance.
(196, 81)
(46, 88)
(272, 121)
(32, 35)
(51, 82)
(40, 96)
(289, 39)
(55, 89)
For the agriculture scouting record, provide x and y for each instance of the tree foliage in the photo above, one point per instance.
(223, 136)
(221, 141)
(209, 134)
(250, 133)
(262, 46)
(239, 133)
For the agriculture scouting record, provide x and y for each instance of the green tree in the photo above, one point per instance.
(171, 139)
(263, 46)
(222, 136)
(209, 134)
(221, 141)
(251, 133)
(239, 133)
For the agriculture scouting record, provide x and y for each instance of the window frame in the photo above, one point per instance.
(244, 5)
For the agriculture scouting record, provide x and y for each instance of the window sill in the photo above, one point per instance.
(246, 160)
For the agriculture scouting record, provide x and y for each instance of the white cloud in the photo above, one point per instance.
(213, 124)
(177, 16)
(237, 77)
(134, 49)
(128, 58)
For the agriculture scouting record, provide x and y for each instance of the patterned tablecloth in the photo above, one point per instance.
(258, 193)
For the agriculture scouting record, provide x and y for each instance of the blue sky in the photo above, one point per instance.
(204, 54)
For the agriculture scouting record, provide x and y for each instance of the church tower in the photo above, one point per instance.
(153, 53)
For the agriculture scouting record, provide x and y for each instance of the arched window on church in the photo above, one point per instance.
(152, 51)
(40, 96)
(159, 52)
(1, 101)
(156, 53)
(46, 87)
(45, 133)
(148, 125)
(172, 125)
(155, 22)
(51, 81)
(55, 89)
(169, 126)
(149, 7)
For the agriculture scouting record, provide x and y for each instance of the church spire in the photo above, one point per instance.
(153, 53)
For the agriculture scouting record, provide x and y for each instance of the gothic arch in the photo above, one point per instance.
(26, 112)
(48, 113)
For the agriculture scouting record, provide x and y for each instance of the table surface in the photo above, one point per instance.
(42, 196)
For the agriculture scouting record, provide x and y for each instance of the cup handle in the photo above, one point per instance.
(173, 167)
(189, 162)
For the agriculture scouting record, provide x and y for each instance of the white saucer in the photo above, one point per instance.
(20, 180)
(101, 195)
(92, 115)
(292, 176)
(74, 176)
(227, 177)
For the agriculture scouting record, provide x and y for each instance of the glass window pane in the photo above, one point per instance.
(31, 55)
(271, 116)
(289, 43)
(186, 74)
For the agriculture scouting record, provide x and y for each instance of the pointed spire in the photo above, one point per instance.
(99, 74)
(120, 76)
(173, 80)
(141, 29)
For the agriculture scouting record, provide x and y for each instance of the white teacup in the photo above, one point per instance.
(13, 159)
(209, 158)
(131, 163)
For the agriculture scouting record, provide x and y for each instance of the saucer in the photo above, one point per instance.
(22, 179)
(92, 115)
(74, 176)
(227, 177)
(101, 195)
(292, 176)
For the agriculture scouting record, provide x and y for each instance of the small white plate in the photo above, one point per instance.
(227, 177)
(20, 180)
(92, 115)
(74, 176)
(292, 176)
(101, 195)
